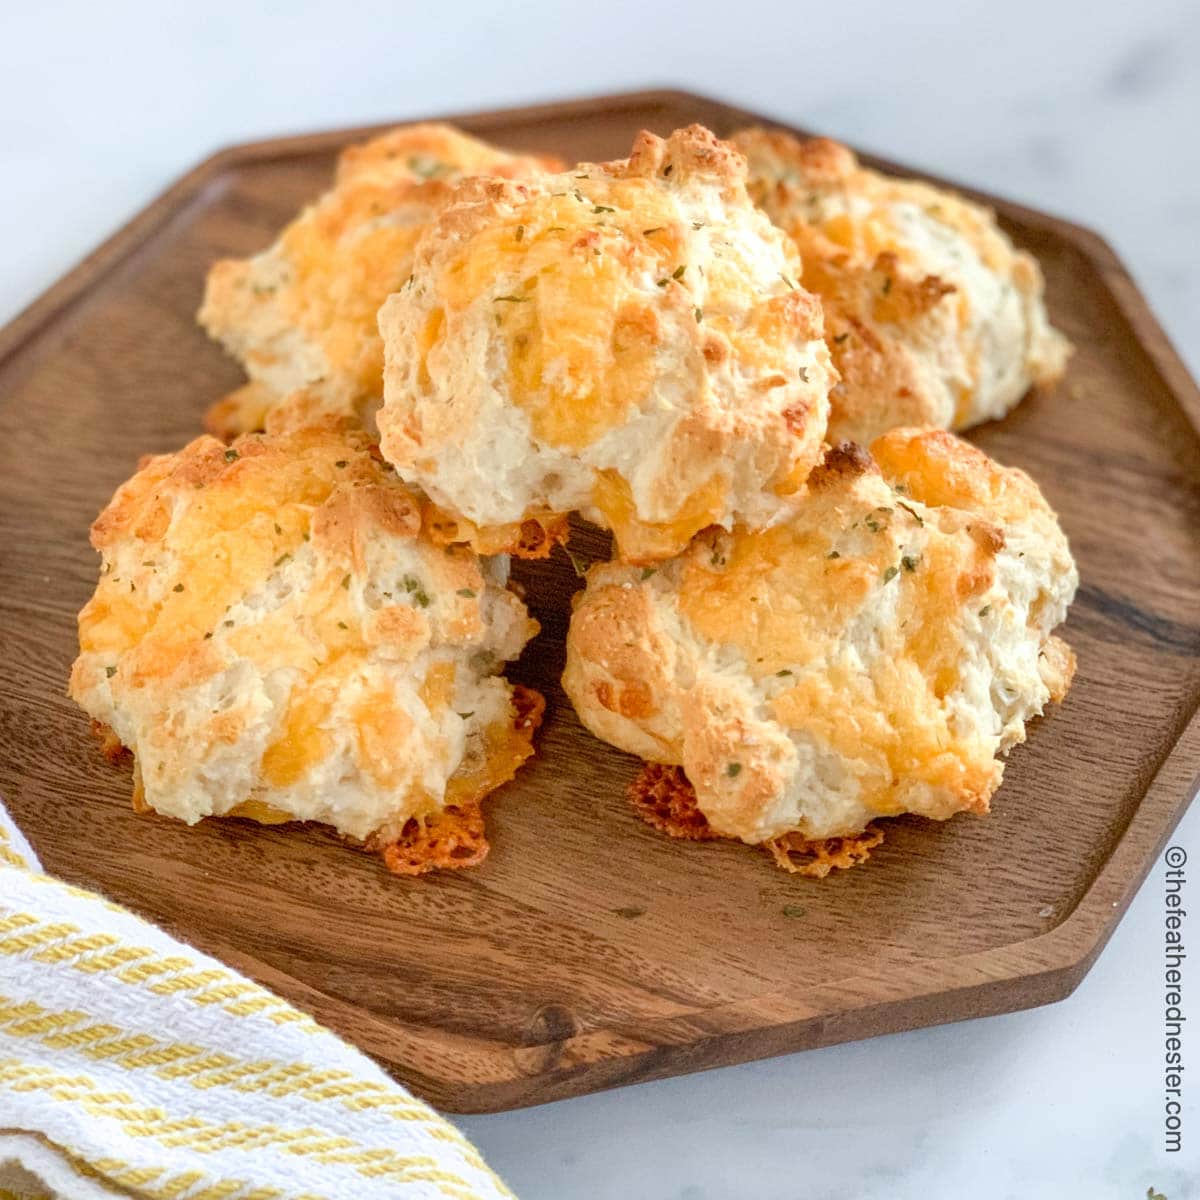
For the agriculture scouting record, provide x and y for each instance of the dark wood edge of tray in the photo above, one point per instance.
(1025, 974)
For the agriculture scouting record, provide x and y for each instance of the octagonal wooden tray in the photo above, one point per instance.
(588, 950)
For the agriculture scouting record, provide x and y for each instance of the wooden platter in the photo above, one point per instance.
(590, 951)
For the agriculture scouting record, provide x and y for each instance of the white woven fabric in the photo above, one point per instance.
(132, 1065)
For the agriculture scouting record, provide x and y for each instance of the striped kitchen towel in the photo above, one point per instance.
(132, 1065)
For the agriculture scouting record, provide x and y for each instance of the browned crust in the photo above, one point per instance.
(663, 797)
(116, 752)
(141, 507)
(110, 745)
(694, 151)
(535, 537)
(1060, 660)
(845, 461)
(455, 837)
(820, 159)
(529, 706)
(864, 306)
(816, 858)
(471, 199)
(449, 840)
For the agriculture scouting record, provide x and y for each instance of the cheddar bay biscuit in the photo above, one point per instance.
(626, 339)
(302, 314)
(932, 316)
(274, 637)
(871, 654)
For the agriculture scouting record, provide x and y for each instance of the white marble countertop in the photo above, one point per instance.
(1089, 111)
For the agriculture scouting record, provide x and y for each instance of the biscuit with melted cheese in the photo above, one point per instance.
(626, 339)
(274, 637)
(301, 315)
(873, 653)
(932, 316)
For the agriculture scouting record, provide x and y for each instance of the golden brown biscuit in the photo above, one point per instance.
(625, 339)
(932, 317)
(871, 654)
(302, 313)
(274, 637)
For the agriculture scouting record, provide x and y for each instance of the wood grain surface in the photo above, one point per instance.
(588, 950)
